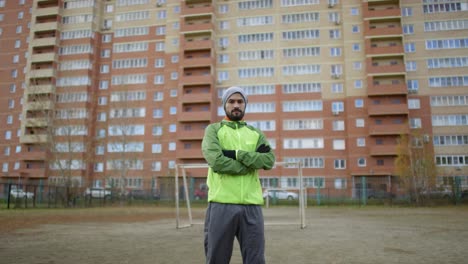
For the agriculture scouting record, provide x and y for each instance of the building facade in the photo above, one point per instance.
(104, 93)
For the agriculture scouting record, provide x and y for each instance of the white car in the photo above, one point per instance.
(98, 193)
(280, 194)
(19, 193)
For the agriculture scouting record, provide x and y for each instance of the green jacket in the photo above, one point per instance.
(235, 181)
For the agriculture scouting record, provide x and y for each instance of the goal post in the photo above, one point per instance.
(182, 168)
(181, 174)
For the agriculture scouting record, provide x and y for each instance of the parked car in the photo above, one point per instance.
(440, 192)
(19, 193)
(200, 194)
(464, 194)
(375, 194)
(97, 192)
(144, 195)
(280, 194)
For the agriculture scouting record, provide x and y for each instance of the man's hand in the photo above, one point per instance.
(230, 154)
(263, 148)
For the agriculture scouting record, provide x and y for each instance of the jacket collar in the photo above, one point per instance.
(233, 124)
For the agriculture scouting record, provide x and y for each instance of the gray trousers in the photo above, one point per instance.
(224, 222)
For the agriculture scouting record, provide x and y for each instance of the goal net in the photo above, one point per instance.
(273, 214)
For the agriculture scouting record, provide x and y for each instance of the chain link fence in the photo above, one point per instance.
(361, 191)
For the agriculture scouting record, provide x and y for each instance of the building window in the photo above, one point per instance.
(407, 11)
(415, 123)
(158, 96)
(156, 166)
(410, 47)
(172, 146)
(103, 85)
(339, 144)
(361, 162)
(408, 29)
(335, 52)
(411, 66)
(355, 29)
(172, 128)
(339, 164)
(156, 148)
(360, 122)
(338, 125)
(337, 88)
(356, 47)
(337, 106)
(359, 103)
(335, 34)
(358, 84)
(414, 104)
(361, 142)
(223, 9)
(157, 113)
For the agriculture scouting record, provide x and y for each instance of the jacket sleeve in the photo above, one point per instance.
(213, 155)
(256, 160)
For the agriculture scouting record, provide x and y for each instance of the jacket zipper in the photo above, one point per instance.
(242, 178)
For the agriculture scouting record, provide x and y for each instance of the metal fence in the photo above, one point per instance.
(328, 192)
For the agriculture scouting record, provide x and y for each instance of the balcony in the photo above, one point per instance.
(196, 79)
(190, 154)
(34, 155)
(41, 105)
(32, 139)
(386, 89)
(191, 135)
(34, 173)
(197, 27)
(48, 11)
(41, 89)
(387, 30)
(385, 69)
(41, 42)
(382, 130)
(384, 150)
(36, 122)
(376, 171)
(191, 10)
(384, 48)
(195, 116)
(44, 57)
(192, 44)
(198, 61)
(42, 73)
(374, 13)
(48, 26)
(197, 98)
(388, 109)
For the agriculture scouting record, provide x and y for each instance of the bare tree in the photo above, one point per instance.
(124, 151)
(61, 133)
(415, 165)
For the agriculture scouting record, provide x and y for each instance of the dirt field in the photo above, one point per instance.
(148, 235)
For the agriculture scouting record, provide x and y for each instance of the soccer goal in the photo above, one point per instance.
(273, 215)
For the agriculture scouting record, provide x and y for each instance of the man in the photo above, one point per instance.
(235, 152)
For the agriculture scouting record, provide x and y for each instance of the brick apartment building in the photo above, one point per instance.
(114, 89)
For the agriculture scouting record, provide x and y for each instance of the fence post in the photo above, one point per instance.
(8, 195)
(363, 190)
(457, 190)
(317, 193)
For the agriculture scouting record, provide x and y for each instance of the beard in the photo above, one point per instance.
(235, 115)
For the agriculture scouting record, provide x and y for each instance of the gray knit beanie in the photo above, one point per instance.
(230, 91)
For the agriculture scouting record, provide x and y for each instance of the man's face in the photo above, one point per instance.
(235, 107)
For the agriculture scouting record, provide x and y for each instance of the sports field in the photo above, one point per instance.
(140, 235)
